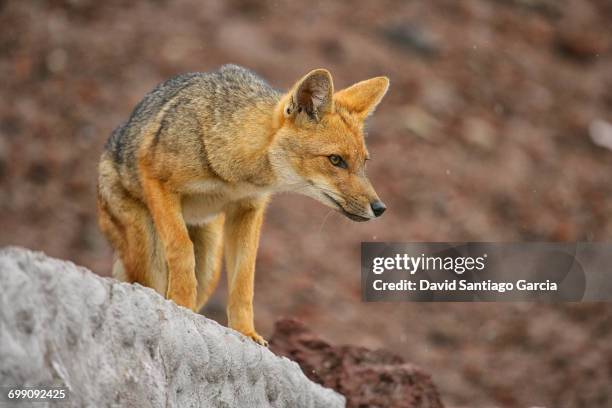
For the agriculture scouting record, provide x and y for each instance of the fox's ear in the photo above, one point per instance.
(313, 95)
(363, 97)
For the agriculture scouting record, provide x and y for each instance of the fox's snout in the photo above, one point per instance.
(361, 198)
(378, 208)
(361, 206)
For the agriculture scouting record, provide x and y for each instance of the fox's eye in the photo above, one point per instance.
(337, 161)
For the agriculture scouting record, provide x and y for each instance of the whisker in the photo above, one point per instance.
(325, 220)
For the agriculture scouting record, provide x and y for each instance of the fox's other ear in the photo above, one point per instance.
(313, 95)
(363, 97)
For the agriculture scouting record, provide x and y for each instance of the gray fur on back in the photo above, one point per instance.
(219, 94)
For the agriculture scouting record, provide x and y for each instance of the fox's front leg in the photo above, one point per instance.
(165, 208)
(242, 228)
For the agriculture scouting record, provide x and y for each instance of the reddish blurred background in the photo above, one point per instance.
(484, 136)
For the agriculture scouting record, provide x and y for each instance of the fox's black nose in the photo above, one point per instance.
(378, 207)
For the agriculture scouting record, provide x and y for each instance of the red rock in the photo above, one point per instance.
(367, 378)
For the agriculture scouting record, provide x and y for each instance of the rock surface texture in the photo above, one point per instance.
(368, 378)
(115, 344)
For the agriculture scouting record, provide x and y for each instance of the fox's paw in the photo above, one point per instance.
(257, 339)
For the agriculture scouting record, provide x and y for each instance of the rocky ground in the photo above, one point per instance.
(367, 378)
(483, 136)
(111, 344)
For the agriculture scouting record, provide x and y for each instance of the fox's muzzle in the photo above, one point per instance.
(378, 207)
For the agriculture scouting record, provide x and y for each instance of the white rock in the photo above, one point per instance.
(601, 133)
(120, 345)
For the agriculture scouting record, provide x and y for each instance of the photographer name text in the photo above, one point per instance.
(457, 265)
